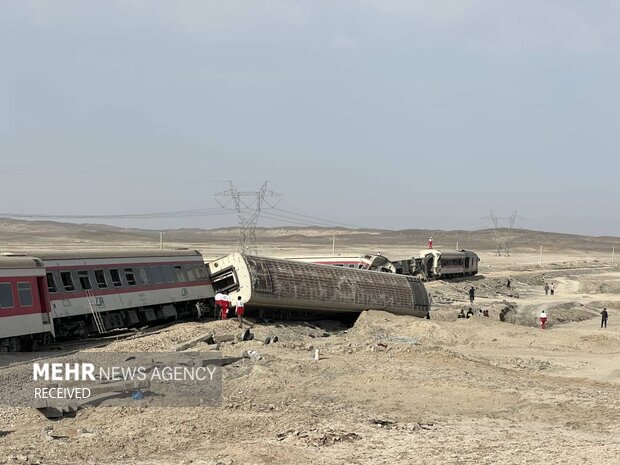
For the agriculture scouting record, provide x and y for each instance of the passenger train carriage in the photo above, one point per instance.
(373, 262)
(436, 264)
(24, 303)
(94, 292)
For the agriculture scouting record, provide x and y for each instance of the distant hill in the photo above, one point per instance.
(21, 234)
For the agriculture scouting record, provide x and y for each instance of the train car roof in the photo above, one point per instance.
(319, 257)
(119, 253)
(9, 262)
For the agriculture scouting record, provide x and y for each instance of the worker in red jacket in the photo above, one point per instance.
(224, 304)
(543, 319)
(240, 310)
(430, 242)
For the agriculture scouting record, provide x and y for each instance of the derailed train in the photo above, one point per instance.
(285, 284)
(429, 264)
(67, 294)
(439, 264)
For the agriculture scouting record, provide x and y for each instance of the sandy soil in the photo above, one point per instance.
(388, 389)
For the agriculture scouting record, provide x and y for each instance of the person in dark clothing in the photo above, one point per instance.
(604, 316)
(546, 288)
(472, 292)
(508, 283)
(461, 314)
(470, 313)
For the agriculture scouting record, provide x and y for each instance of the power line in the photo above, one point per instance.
(316, 218)
(300, 221)
(171, 214)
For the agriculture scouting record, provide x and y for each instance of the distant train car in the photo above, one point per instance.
(436, 264)
(270, 283)
(25, 318)
(98, 291)
(374, 262)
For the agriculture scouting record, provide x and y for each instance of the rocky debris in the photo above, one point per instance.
(391, 424)
(318, 438)
(531, 364)
(208, 338)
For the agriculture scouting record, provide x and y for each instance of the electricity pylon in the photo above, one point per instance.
(248, 206)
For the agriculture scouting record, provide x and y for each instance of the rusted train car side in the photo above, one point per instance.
(284, 284)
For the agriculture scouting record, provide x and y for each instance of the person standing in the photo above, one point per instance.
(604, 316)
(472, 294)
(430, 242)
(546, 288)
(218, 304)
(552, 288)
(224, 303)
(543, 319)
(508, 283)
(240, 310)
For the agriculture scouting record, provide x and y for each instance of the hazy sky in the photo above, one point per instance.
(378, 113)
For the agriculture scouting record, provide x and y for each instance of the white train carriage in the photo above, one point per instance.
(439, 264)
(373, 262)
(24, 306)
(99, 291)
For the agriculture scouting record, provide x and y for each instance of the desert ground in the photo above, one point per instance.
(387, 389)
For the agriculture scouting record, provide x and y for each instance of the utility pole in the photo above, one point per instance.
(334, 245)
(248, 206)
(541, 255)
(161, 240)
(613, 253)
(457, 245)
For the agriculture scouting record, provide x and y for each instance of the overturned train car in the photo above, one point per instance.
(268, 283)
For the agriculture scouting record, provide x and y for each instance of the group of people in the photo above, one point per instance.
(223, 306)
(542, 318)
(470, 313)
(549, 288)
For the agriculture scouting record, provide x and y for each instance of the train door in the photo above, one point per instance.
(44, 301)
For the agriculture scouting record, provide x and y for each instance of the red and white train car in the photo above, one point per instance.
(99, 291)
(69, 294)
(24, 304)
(373, 262)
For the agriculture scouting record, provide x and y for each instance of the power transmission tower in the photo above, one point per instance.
(501, 236)
(248, 206)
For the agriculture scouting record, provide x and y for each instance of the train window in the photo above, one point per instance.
(168, 274)
(116, 277)
(157, 274)
(144, 276)
(129, 276)
(84, 280)
(180, 272)
(24, 292)
(201, 272)
(67, 280)
(51, 283)
(102, 283)
(6, 295)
